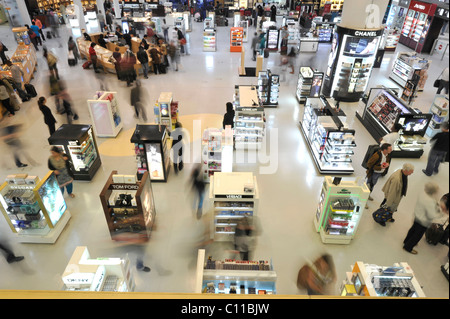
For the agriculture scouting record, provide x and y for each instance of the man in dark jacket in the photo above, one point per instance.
(377, 165)
(142, 56)
(228, 118)
(438, 151)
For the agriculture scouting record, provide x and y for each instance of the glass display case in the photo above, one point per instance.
(406, 65)
(129, 207)
(21, 35)
(152, 149)
(105, 114)
(439, 111)
(268, 88)
(331, 145)
(34, 209)
(78, 141)
(272, 39)
(340, 209)
(309, 83)
(217, 151)
(229, 276)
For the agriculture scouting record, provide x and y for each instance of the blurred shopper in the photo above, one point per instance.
(262, 43)
(3, 49)
(117, 56)
(292, 57)
(177, 147)
(127, 64)
(33, 37)
(426, 211)
(93, 56)
(137, 100)
(6, 101)
(11, 137)
(244, 237)
(142, 56)
(8, 253)
(54, 23)
(101, 20)
(255, 46)
(37, 31)
(49, 119)
(199, 187)
(317, 278)
(438, 151)
(396, 187)
(181, 40)
(59, 165)
(377, 165)
(72, 47)
(102, 41)
(17, 76)
(52, 61)
(156, 60)
(228, 117)
(174, 53)
(109, 20)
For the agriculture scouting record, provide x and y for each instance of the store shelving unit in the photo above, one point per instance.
(84, 273)
(293, 35)
(152, 146)
(439, 110)
(209, 40)
(272, 39)
(231, 276)
(324, 31)
(236, 39)
(249, 122)
(235, 196)
(341, 206)
(78, 141)
(406, 65)
(371, 280)
(34, 209)
(129, 207)
(268, 88)
(217, 151)
(309, 83)
(244, 25)
(331, 145)
(167, 110)
(105, 114)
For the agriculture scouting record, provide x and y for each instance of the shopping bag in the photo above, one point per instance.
(16, 101)
(382, 215)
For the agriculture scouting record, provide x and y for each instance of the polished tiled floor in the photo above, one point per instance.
(289, 197)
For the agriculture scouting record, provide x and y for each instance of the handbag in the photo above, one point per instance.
(437, 83)
(183, 41)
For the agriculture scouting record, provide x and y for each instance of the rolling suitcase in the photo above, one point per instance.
(434, 233)
(30, 89)
(266, 53)
(87, 64)
(382, 215)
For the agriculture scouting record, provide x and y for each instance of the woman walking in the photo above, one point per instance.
(61, 167)
(49, 119)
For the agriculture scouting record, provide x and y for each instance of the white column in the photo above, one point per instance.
(23, 12)
(363, 14)
(116, 8)
(80, 14)
(100, 6)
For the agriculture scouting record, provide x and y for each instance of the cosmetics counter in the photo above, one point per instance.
(341, 206)
(129, 207)
(217, 151)
(152, 146)
(371, 280)
(79, 143)
(231, 276)
(439, 111)
(331, 144)
(105, 114)
(406, 65)
(34, 209)
(383, 110)
(309, 83)
(25, 58)
(84, 273)
(234, 196)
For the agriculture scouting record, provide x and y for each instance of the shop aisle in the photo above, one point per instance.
(288, 198)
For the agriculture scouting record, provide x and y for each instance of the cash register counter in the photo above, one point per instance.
(105, 54)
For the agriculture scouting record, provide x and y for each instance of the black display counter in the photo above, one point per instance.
(78, 141)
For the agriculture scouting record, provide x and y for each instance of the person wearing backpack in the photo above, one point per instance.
(377, 166)
(51, 61)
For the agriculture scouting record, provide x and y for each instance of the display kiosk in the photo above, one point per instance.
(236, 39)
(105, 114)
(84, 273)
(268, 88)
(34, 209)
(383, 110)
(129, 207)
(272, 37)
(331, 144)
(341, 206)
(209, 40)
(439, 111)
(350, 63)
(406, 66)
(309, 83)
(249, 121)
(370, 280)
(232, 276)
(234, 196)
(324, 30)
(217, 151)
(394, 23)
(152, 146)
(167, 110)
(25, 58)
(78, 141)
